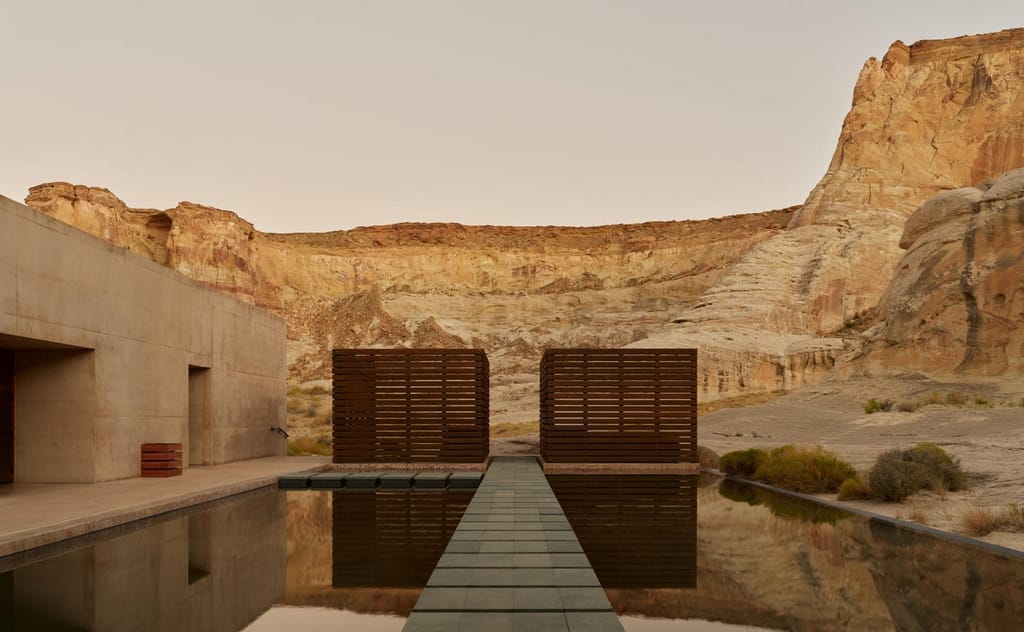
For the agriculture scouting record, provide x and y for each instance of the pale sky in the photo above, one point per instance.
(321, 115)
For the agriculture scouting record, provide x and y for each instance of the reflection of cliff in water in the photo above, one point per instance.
(637, 530)
(779, 562)
(217, 568)
(366, 551)
(930, 583)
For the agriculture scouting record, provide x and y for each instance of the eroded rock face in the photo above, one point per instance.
(956, 302)
(510, 291)
(772, 300)
(934, 116)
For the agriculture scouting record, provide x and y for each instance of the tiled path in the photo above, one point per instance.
(513, 564)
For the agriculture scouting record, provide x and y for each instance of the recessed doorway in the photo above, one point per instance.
(198, 448)
(6, 416)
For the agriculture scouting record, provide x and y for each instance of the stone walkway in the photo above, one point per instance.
(36, 514)
(513, 563)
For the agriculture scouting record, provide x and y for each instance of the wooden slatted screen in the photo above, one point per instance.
(618, 406)
(411, 405)
(392, 538)
(638, 531)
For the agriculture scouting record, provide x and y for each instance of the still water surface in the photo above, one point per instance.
(673, 553)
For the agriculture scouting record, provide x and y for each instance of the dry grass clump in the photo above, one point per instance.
(878, 406)
(306, 446)
(511, 429)
(918, 516)
(983, 521)
(854, 488)
(979, 521)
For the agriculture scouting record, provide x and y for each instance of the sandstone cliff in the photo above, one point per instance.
(772, 300)
(956, 302)
(930, 117)
(511, 291)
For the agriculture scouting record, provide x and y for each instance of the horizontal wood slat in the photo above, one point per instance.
(410, 405)
(618, 406)
(160, 460)
(638, 531)
(392, 538)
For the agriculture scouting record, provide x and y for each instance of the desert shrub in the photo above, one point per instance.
(874, 406)
(812, 470)
(311, 409)
(933, 397)
(316, 390)
(908, 406)
(305, 446)
(742, 462)
(944, 472)
(854, 488)
(893, 479)
(1013, 516)
(956, 398)
(979, 521)
(707, 457)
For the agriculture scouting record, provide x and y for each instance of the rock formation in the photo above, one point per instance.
(956, 302)
(772, 300)
(511, 291)
(930, 117)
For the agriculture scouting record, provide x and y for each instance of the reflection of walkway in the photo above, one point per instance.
(34, 514)
(513, 563)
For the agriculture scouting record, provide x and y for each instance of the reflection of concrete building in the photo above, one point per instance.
(217, 569)
(102, 350)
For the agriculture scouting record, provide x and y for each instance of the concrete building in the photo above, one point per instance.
(102, 350)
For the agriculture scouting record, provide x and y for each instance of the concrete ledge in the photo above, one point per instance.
(37, 514)
(619, 468)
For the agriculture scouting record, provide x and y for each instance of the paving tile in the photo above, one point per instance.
(534, 560)
(441, 598)
(530, 546)
(575, 577)
(293, 481)
(564, 546)
(584, 598)
(431, 480)
(537, 599)
(540, 621)
(593, 622)
(490, 598)
(534, 577)
(497, 546)
(486, 622)
(328, 480)
(463, 546)
(569, 560)
(397, 480)
(362, 480)
(432, 622)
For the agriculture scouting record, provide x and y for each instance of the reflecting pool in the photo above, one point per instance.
(672, 552)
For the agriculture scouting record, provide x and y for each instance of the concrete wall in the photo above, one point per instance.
(142, 580)
(104, 340)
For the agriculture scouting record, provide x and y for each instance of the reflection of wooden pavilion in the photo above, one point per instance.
(411, 406)
(638, 530)
(618, 406)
